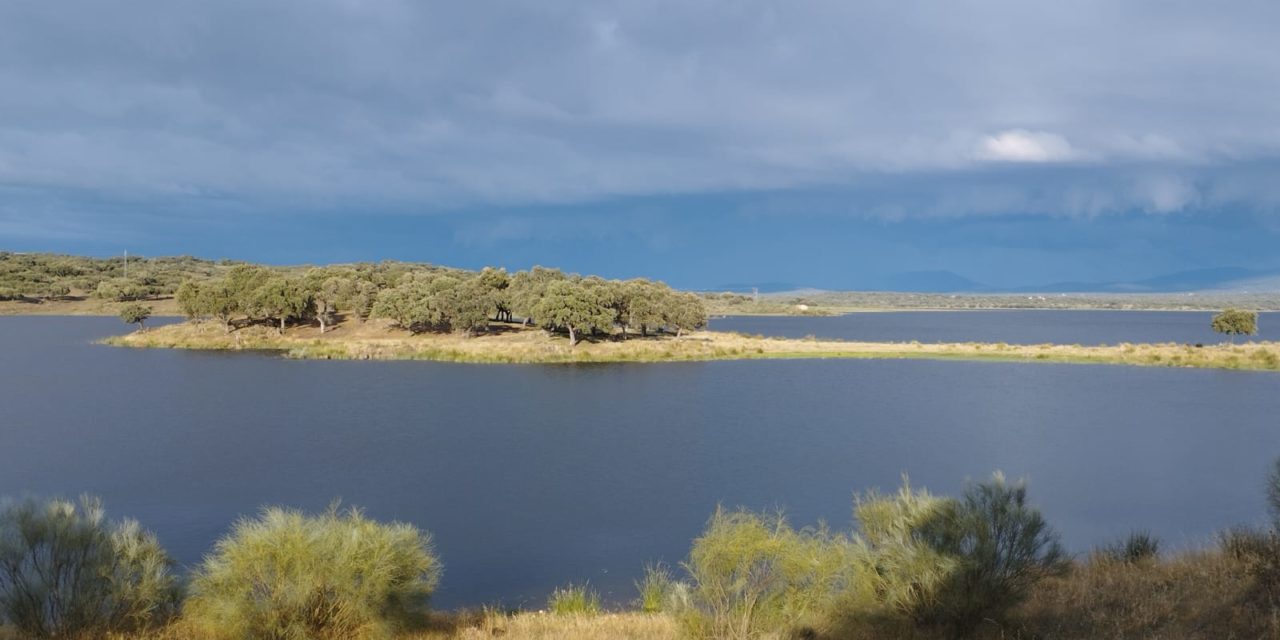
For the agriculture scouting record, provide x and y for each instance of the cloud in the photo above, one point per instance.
(1019, 145)
(430, 106)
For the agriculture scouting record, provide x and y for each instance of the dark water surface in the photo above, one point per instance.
(535, 476)
(1013, 327)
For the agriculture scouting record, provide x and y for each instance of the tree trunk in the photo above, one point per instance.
(321, 319)
(226, 325)
(644, 330)
(573, 337)
(281, 332)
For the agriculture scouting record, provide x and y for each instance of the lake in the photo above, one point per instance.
(533, 476)
(1013, 327)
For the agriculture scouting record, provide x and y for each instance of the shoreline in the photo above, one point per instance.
(167, 306)
(509, 344)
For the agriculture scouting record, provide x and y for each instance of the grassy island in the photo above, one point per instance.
(513, 343)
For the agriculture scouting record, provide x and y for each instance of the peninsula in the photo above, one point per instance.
(514, 343)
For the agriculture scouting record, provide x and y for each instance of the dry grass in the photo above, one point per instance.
(546, 626)
(1206, 595)
(83, 305)
(477, 626)
(375, 340)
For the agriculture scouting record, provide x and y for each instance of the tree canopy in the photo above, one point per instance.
(135, 314)
(1236, 322)
(415, 297)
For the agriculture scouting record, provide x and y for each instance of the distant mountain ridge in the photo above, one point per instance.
(1213, 279)
(1235, 279)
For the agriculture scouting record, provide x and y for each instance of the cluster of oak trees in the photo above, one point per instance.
(442, 300)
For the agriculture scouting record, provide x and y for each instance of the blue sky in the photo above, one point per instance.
(827, 144)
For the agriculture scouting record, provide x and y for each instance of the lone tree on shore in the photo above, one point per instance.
(1236, 322)
(135, 314)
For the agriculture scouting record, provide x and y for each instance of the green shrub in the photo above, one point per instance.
(1137, 547)
(65, 571)
(1235, 322)
(135, 314)
(908, 573)
(1003, 547)
(287, 575)
(752, 575)
(574, 600)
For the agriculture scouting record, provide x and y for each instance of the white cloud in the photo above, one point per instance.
(1166, 194)
(1020, 145)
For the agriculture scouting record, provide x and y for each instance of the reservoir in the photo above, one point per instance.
(534, 476)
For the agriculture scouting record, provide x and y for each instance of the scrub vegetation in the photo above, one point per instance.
(915, 565)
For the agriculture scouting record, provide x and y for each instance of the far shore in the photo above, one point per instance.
(513, 343)
(166, 307)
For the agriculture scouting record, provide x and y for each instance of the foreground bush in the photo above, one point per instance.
(918, 565)
(1002, 547)
(287, 575)
(907, 573)
(65, 571)
(752, 574)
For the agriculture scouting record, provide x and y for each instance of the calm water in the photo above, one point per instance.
(1013, 327)
(535, 476)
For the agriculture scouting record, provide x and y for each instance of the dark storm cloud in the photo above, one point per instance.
(283, 105)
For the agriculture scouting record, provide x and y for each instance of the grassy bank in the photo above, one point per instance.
(82, 305)
(515, 344)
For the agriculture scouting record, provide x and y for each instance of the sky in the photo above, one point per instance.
(831, 144)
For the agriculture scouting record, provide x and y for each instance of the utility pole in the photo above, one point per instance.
(126, 264)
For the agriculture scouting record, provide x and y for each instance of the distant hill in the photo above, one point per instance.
(763, 287)
(1215, 279)
(1234, 279)
(931, 282)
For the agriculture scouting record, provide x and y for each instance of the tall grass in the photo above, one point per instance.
(579, 600)
(657, 589)
(1137, 547)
